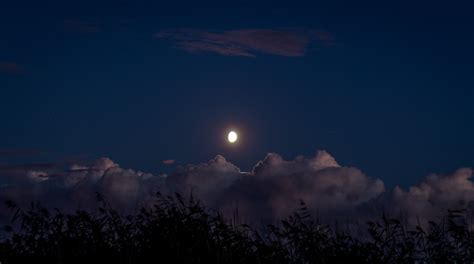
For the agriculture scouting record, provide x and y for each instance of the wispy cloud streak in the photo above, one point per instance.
(247, 42)
(81, 26)
(9, 67)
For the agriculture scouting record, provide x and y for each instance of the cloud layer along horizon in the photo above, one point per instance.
(271, 191)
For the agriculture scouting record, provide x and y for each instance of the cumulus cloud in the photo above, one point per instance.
(247, 42)
(436, 194)
(271, 191)
(76, 186)
(206, 180)
(275, 186)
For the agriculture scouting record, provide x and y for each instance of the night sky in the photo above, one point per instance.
(384, 86)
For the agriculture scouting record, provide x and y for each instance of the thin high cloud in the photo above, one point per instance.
(271, 191)
(247, 42)
(168, 162)
(10, 67)
(14, 152)
(81, 26)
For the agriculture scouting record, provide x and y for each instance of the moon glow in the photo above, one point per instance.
(232, 137)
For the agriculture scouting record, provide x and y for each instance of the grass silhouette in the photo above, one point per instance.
(179, 230)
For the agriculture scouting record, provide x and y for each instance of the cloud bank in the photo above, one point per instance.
(271, 191)
(247, 42)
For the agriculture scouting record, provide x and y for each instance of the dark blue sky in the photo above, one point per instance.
(392, 93)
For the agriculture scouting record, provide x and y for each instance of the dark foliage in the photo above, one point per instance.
(176, 230)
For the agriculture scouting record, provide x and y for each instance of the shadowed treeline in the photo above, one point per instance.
(176, 230)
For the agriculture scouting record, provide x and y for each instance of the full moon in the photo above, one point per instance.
(232, 137)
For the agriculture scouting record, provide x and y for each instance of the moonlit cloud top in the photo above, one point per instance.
(271, 191)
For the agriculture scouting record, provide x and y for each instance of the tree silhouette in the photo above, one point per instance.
(179, 230)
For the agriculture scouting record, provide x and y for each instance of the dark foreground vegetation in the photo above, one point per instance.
(183, 231)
